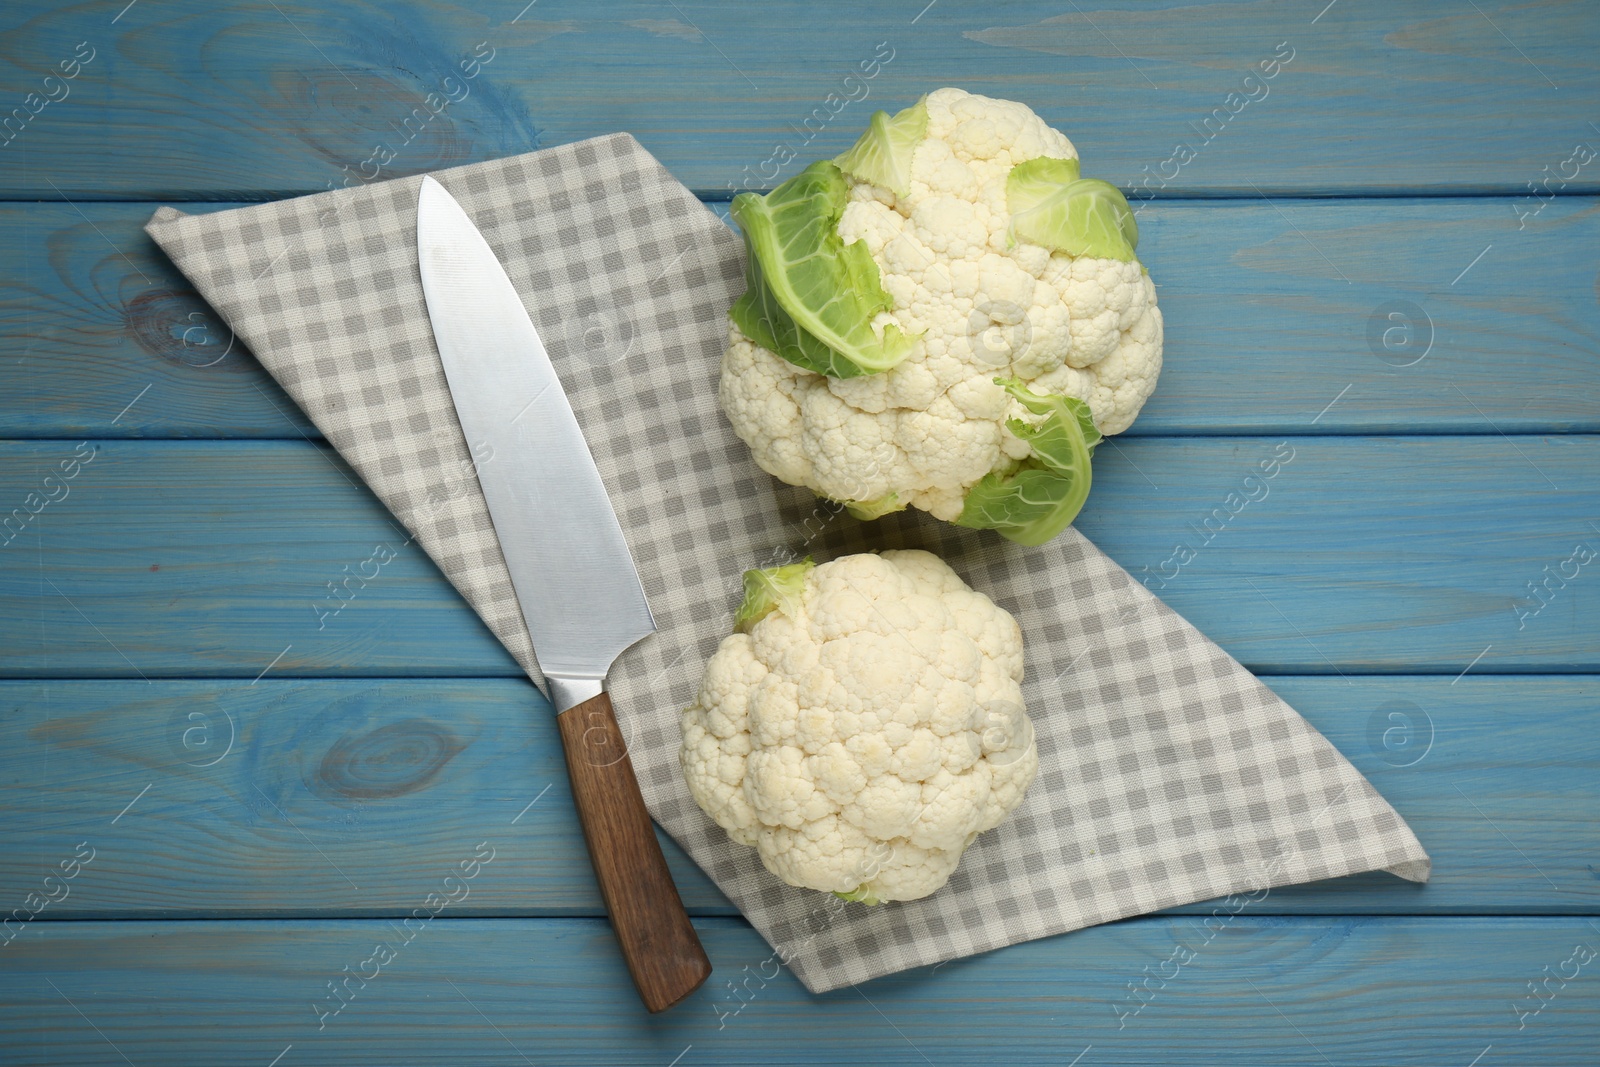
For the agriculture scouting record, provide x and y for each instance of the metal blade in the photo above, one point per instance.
(573, 575)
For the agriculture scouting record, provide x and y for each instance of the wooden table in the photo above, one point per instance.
(1374, 229)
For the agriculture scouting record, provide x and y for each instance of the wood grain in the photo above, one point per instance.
(664, 957)
(1263, 992)
(347, 798)
(1367, 554)
(1277, 321)
(258, 99)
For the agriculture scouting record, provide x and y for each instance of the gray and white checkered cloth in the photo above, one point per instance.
(1168, 773)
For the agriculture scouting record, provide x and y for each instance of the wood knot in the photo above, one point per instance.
(391, 760)
(178, 326)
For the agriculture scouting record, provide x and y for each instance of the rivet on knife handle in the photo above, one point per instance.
(660, 947)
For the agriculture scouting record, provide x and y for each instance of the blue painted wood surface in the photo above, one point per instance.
(269, 98)
(1368, 554)
(1263, 331)
(1261, 991)
(1387, 260)
(251, 786)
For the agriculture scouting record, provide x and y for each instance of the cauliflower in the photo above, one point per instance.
(947, 317)
(864, 725)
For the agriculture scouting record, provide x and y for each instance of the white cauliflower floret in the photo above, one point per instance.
(981, 303)
(867, 728)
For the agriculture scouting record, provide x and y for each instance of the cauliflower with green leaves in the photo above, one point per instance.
(947, 317)
(863, 725)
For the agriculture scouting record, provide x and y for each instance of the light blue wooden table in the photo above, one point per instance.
(1384, 254)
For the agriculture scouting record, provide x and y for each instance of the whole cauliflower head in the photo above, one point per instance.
(970, 298)
(866, 726)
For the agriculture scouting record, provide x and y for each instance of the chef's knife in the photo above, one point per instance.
(571, 570)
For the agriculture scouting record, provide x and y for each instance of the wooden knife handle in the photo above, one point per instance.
(660, 946)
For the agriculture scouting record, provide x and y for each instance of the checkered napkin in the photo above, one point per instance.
(1167, 773)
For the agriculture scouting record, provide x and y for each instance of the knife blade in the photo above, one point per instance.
(570, 567)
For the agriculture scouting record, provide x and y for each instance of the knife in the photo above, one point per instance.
(570, 567)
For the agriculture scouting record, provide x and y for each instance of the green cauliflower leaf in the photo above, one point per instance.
(882, 155)
(1051, 206)
(771, 589)
(1032, 501)
(810, 297)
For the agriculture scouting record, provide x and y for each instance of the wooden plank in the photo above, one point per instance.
(344, 798)
(231, 558)
(100, 334)
(1264, 335)
(266, 98)
(1392, 991)
(1360, 555)
(1334, 573)
(1373, 317)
